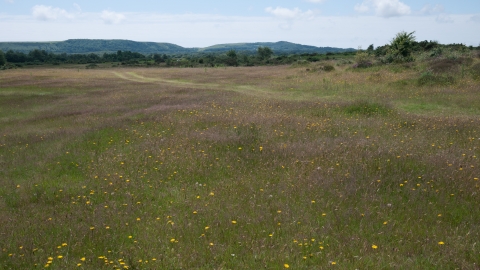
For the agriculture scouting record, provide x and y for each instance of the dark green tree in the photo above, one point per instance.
(158, 58)
(370, 48)
(232, 58)
(3, 61)
(264, 53)
(232, 54)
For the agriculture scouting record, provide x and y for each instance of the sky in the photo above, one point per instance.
(189, 23)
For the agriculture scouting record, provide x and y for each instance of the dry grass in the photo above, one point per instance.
(238, 168)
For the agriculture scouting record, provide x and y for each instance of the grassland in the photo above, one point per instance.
(240, 168)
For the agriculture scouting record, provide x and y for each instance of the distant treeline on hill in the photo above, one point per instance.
(100, 46)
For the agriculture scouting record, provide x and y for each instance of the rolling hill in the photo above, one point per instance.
(83, 46)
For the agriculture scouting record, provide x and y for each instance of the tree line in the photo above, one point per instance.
(401, 49)
(263, 56)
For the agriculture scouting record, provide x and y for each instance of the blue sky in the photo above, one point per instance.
(336, 23)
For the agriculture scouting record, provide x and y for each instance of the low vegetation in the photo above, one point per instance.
(313, 165)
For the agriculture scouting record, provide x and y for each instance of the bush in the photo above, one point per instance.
(428, 78)
(328, 68)
(449, 65)
(363, 60)
(475, 71)
(343, 62)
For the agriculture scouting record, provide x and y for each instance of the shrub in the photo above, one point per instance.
(401, 48)
(402, 44)
(328, 68)
(449, 65)
(362, 60)
(475, 71)
(343, 62)
(428, 78)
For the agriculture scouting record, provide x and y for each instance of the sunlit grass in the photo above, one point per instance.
(237, 168)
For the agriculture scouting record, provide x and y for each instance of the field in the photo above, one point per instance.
(240, 168)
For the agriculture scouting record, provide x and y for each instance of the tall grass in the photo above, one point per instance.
(238, 168)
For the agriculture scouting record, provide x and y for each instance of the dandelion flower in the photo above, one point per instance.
(234, 222)
(441, 243)
(286, 266)
(374, 246)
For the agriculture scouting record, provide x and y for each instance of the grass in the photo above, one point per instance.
(238, 168)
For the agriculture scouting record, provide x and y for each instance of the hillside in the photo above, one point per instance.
(73, 46)
(277, 47)
(93, 46)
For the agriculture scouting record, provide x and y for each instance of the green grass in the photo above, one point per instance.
(238, 168)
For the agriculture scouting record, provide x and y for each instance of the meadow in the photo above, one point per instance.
(268, 167)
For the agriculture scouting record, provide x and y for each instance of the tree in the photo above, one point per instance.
(401, 47)
(370, 48)
(158, 58)
(232, 58)
(264, 53)
(232, 54)
(3, 61)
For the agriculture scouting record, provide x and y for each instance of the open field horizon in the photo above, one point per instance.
(268, 167)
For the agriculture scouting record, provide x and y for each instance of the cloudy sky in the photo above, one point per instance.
(193, 23)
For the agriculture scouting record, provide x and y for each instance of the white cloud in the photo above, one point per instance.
(384, 8)
(9, 1)
(429, 9)
(201, 30)
(316, 1)
(77, 7)
(475, 18)
(289, 14)
(111, 17)
(444, 18)
(46, 13)
(362, 8)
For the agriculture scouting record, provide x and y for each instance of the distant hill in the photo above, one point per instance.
(277, 47)
(84, 46)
